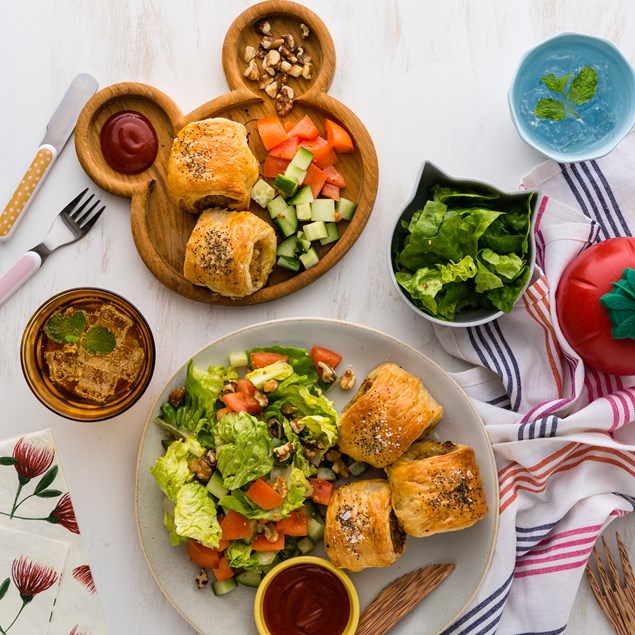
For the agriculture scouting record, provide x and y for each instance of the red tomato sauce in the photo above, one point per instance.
(306, 599)
(129, 142)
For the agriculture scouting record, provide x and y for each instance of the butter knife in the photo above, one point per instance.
(58, 130)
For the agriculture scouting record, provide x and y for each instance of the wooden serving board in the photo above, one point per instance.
(160, 230)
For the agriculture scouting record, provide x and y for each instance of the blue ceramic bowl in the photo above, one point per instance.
(603, 120)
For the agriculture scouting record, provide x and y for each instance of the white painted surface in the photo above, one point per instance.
(429, 81)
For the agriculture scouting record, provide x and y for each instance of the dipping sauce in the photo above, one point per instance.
(129, 142)
(306, 599)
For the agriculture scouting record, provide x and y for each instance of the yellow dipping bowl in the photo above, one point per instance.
(353, 617)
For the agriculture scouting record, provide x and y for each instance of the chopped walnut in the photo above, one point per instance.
(229, 385)
(306, 70)
(263, 27)
(271, 533)
(289, 41)
(262, 399)
(283, 452)
(281, 486)
(328, 374)
(340, 468)
(272, 89)
(297, 426)
(295, 70)
(210, 457)
(284, 101)
(252, 72)
(270, 42)
(347, 380)
(272, 59)
(288, 409)
(201, 468)
(177, 396)
(275, 427)
(202, 579)
(269, 386)
(249, 54)
(267, 79)
(305, 31)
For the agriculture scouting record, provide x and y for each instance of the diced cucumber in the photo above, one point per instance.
(265, 568)
(303, 243)
(286, 185)
(302, 158)
(311, 510)
(303, 210)
(288, 247)
(315, 530)
(220, 587)
(345, 208)
(238, 359)
(303, 195)
(326, 474)
(276, 206)
(294, 173)
(357, 467)
(216, 487)
(333, 234)
(288, 262)
(310, 258)
(287, 221)
(315, 230)
(249, 578)
(265, 557)
(305, 545)
(262, 193)
(323, 209)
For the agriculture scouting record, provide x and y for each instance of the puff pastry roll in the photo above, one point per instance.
(231, 253)
(211, 166)
(436, 487)
(391, 409)
(361, 528)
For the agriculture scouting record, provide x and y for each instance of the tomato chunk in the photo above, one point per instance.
(338, 137)
(246, 387)
(296, 525)
(260, 543)
(274, 166)
(304, 129)
(264, 495)
(223, 571)
(271, 131)
(331, 191)
(259, 359)
(320, 354)
(322, 491)
(286, 149)
(235, 526)
(334, 177)
(315, 178)
(201, 555)
(222, 412)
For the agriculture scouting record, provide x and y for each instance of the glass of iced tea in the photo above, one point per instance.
(87, 354)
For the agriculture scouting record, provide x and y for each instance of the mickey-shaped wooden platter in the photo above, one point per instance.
(159, 228)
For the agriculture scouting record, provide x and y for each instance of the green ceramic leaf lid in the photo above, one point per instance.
(620, 305)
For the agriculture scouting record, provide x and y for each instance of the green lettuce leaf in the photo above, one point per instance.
(171, 470)
(298, 358)
(507, 266)
(241, 556)
(277, 371)
(244, 450)
(195, 515)
(503, 298)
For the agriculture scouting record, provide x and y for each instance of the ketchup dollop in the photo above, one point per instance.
(128, 142)
(306, 599)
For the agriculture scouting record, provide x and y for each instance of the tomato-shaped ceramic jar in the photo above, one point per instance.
(599, 270)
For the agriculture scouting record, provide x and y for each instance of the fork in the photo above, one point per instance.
(73, 222)
(617, 600)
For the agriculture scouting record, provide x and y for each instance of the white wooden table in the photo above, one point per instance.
(428, 79)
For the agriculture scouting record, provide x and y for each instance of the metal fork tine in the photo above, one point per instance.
(74, 202)
(91, 221)
(75, 214)
(80, 219)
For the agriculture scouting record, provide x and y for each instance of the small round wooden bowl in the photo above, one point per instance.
(160, 230)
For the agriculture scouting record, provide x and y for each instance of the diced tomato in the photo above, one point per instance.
(320, 354)
(235, 526)
(223, 544)
(315, 178)
(334, 177)
(260, 543)
(322, 491)
(288, 125)
(286, 149)
(274, 166)
(223, 571)
(331, 191)
(325, 157)
(263, 495)
(296, 525)
(246, 387)
(271, 131)
(240, 402)
(304, 129)
(260, 359)
(222, 412)
(201, 555)
(338, 137)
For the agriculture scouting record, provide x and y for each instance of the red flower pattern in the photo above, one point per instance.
(76, 632)
(84, 576)
(32, 459)
(31, 577)
(64, 514)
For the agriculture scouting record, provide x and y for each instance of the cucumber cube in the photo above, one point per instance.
(346, 208)
(303, 210)
(287, 221)
(288, 247)
(286, 185)
(310, 258)
(304, 195)
(333, 234)
(262, 193)
(276, 205)
(294, 173)
(216, 487)
(238, 359)
(302, 159)
(316, 230)
(288, 262)
(323, 209)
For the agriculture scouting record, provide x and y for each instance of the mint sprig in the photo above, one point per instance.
(65, 329)
(99, 341)
(582, 88)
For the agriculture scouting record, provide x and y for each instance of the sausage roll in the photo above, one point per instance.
(361, 528)
(231, 253)
(436, 487)
(211, 166)
(391, 409)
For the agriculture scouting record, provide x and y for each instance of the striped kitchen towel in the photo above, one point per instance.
(564, 448)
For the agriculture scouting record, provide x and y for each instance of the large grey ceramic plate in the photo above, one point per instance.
(363, 349)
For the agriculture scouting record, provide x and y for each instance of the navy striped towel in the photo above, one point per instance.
(564, 450)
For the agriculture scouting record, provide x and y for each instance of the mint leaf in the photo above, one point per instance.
(99, 341)
(550, 109)
(557, 84)
(584, 86)
(64, 329)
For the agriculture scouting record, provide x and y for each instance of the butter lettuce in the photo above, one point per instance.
(195, 515)
(244, 450)
(241, 556)
(303, 368)
(171, 470)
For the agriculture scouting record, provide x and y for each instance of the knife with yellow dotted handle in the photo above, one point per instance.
(58, 131)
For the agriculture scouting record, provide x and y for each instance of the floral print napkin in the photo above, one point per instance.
(46, 587)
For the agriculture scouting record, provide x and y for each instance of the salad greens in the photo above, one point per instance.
(464, 250)
(214, 454)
